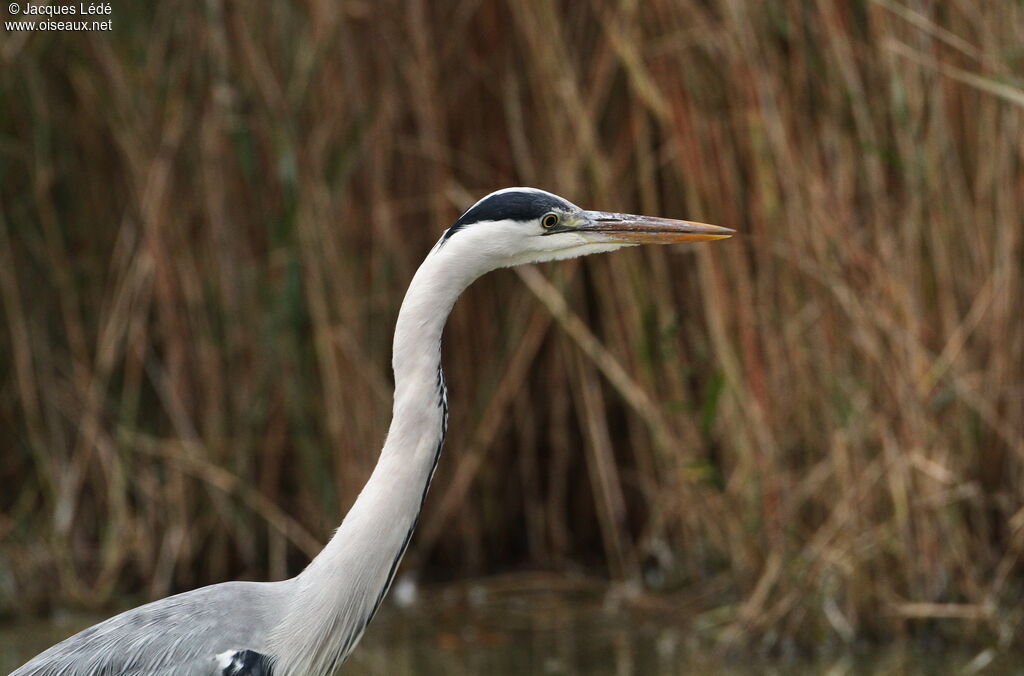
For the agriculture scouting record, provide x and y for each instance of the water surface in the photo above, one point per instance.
(478, 629)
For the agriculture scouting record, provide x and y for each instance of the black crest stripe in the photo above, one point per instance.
(514, 205)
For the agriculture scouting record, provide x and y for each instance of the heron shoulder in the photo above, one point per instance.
(244, 663)
(185, 634)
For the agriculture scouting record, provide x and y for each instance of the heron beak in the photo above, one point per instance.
(633, 229)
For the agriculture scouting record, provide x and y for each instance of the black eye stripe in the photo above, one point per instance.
(516, 205)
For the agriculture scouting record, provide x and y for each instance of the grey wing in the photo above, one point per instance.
(219, 630)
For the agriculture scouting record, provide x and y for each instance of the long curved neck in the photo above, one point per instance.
(338, 593)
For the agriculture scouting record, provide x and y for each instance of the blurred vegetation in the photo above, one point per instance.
(811, 432)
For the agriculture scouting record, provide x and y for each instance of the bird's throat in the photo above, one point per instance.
(336, 596)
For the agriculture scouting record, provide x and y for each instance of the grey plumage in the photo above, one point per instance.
(184, 635)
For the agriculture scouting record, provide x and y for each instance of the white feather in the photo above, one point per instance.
(307, 625)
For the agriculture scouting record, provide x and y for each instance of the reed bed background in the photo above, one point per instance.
(809, 433)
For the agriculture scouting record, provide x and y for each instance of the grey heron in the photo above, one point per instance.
(308, 625)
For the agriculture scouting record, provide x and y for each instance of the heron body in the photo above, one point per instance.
(308, 625)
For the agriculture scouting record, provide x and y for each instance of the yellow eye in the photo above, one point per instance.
(549, 221)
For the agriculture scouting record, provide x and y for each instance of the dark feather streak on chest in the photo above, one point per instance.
(248, 663)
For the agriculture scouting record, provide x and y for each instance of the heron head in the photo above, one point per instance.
(526, 225)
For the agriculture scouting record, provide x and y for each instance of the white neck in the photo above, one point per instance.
(337, 594)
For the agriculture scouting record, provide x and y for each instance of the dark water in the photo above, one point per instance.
(475, 630)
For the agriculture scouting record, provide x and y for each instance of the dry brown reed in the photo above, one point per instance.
(811, 432)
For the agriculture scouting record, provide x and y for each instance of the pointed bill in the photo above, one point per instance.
(634, 229)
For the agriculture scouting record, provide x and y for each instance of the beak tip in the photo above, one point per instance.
(723, 233)
(719, 232)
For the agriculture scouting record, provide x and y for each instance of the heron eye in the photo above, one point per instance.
(549, 221)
